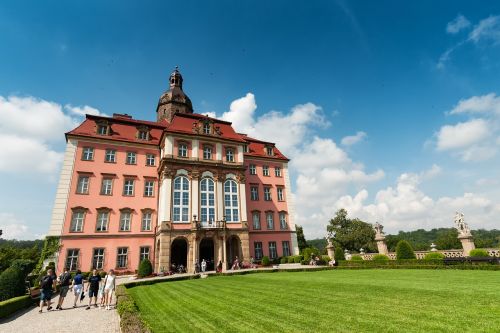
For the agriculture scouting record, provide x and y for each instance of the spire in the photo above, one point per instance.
(176, 78)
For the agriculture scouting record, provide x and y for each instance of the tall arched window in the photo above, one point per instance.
(207, 204)
(181, 199)
(231, 201)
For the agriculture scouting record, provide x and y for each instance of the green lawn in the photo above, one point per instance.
(327, 301)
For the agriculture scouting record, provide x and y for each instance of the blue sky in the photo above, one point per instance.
(391, 71)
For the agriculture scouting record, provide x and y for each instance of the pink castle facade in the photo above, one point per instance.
(184, 188)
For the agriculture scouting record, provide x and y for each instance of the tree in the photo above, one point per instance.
(301, 240)
(447, 239)
(404, 250)
(352, 234)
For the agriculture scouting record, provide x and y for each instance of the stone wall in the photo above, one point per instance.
(421, 254)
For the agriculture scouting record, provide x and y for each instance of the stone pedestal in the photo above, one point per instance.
(467, 243)
(331, 251)
(381, 245)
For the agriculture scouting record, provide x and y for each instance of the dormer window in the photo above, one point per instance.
(269, 151)
(143, 133)
(206, 128)
(245, 149)
(102, 128)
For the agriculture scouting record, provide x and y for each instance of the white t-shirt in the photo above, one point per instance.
(110, 281)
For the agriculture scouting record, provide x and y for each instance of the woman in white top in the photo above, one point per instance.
(109, 287)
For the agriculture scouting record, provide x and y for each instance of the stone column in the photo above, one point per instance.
(381, 245)
(164, 253)
(330, 249)
(245, 246)
(219, 198)
(467, 243)
(224, 264)
(195, 251)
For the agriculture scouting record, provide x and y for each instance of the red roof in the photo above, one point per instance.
(257, 148)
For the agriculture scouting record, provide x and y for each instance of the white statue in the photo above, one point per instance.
(460, 225)
(378, 229)
(329, 236)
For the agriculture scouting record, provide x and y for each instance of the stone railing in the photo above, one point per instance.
(421, 254)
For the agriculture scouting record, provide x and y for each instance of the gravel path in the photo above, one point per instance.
(68, 320)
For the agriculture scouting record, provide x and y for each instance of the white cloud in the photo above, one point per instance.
(458, 24)
(83, 110)
(12, 227)
(489, 103)
(486, 30)
(462, 135)
(353, 139)
(241, 113)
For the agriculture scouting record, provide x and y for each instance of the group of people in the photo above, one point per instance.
(96, 288)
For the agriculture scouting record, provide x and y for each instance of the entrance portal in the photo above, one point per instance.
(233, 250)
(178, 254)
(207, 250)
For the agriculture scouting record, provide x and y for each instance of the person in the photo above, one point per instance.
(203, 266)
(252, 262)
(93, 288)
(236, 264)
(77, 287)
(64, 282)
(109, 287)
(47, 285)
(196, 267)
(219, 266)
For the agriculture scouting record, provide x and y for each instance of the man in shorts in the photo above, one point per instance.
(77, 286)
(93, 288)
(47, 285)
(64, 282)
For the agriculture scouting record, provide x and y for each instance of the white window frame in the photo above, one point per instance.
(143, 135)
(279, 191)
(256, 220)
(269, 151)
(128, 187)
(277, 171)
(270, 220)
(259, 253)
(83, 184)
(106, 186)
(88, 154)
(144, 253)
(265, 170)
(110, 156)
(273, 250)
(150, 159)
(207, 200)
(147, 220)
(122, 253)
(125, 221)
(206, 128)
(231, 202)
(286, 252)
(180, 200)
(149, 188)
(102, 221)
(131, 158)
(254, 193)
(267, 193)
(283, 221)
(182, 150)
(77, 221)
(100, 128)
(72, 258)
(98, 258)
(229, 155)
(207, 152)
(253, 169)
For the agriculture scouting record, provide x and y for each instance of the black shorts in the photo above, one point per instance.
(93, 292)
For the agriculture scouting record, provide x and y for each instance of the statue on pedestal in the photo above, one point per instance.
(329, 246)
(464, 234)
(380, 238)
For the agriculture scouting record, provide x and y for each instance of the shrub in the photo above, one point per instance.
(265, 261)
(145, 268)
(102, 274)
(308, 252)
(479, 253)
(356, 258)
(404, 250)
(434, 256)
(10, 306)
(304, 262)
(339, 254)
(24, 265)
(129, 314)
(283, 260)
(290, 259)
(297, 259)
(11, 283)
(380, 257)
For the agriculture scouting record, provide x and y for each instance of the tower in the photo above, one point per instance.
(174, 100)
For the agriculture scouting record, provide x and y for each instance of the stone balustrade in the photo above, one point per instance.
(421, 254)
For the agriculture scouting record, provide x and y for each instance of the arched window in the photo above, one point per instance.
(181, 199)
(207, 204)
(231, 201)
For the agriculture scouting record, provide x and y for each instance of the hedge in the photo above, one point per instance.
(130, 320)
(479, 253)
(380, 257)
(12, 305)
(434, 256)
(12, 283)
(356, 257)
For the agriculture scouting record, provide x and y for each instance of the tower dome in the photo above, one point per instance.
(174, 100)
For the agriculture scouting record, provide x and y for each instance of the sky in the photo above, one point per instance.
(388, 109)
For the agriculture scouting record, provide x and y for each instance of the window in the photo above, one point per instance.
(131, 158)
(121, 258)
(273, 254)
(128, 187)
(256, 220)
(125, 219)
(258, 250)
(149, 186)
(253, 169)
(245, 149)
(102, 129)
(88, 154)
(110, 156)
(107, 186)
(265, 170)
(206, 128)
(280, 193)
(283, 224)
(231, 201)
(143, 135)
(102, 220)
(150, 159)
(267, 193)
(229, 155)
(207, 196)
(72, 259)
(146, 220)
(182, 150)
(83, 185)
(181, 199)
(269, 151)
(270, 220)
(207, 152)
(77, 221)
(143, 253)
(277, 171)
(254, 193)
(286, 248)
(98, 259)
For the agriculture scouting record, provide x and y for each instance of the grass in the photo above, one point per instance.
(326, 301)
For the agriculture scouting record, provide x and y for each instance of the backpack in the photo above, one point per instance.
(65, 277)
(46, 282)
